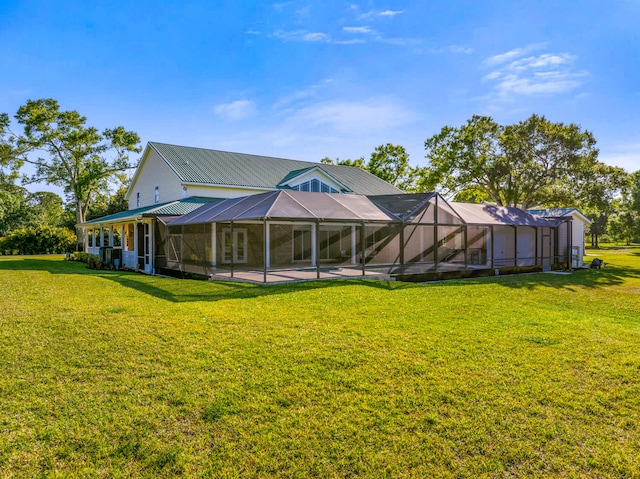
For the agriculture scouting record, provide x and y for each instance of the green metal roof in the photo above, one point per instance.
(170, 208)
(214, 167)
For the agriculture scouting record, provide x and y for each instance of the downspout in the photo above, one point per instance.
(435, 236)
(317, 248)
(402, 225)
(265, 248)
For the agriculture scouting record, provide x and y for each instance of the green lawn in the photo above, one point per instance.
(112, 374)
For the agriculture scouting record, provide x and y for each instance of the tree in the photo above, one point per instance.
(534, 162)
(78, 158)
(388, 162)
(625, 226)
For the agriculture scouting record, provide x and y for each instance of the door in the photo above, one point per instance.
(144, 247)
(302, 245)
(234, 245)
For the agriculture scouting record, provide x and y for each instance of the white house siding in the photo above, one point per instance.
(577, 240)
(154, 172)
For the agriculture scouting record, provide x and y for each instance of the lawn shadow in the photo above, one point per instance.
(186, 290)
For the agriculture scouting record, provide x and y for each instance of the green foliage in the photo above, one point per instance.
(38, 240)
(534, 162)
(78, 158)
(116, 374)
(388, 162)
(20, 208)
(625, 226)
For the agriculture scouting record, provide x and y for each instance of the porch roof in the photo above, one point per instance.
(170, 208)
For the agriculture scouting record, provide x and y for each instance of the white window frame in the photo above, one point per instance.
(156, 195)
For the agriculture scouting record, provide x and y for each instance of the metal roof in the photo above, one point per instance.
(289, 205)
(483, 214)
(170, 208)
(559, 213)
(214, 167)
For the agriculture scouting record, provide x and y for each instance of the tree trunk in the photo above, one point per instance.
(80, 218)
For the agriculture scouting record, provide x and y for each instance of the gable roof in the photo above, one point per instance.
(213, 167)
(558, 213)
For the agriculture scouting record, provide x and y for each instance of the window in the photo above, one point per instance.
(156, 195)
(138, 200)
(315, 186)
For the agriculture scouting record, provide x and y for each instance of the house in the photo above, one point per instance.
(173, 180)
(231, 215)
(579, 227)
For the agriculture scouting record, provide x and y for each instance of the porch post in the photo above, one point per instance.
(122, 241)
(85, 239)
(353, 244)
(363, 246)
(213, 245)
(233, 245)
(435, 236)
(151, 248)
(537, 231)
(316, 247)
(402, 247)
(570, 244)
(265, 232)
(493, 247)
(515, 246)
(466, 247)
(135, 244)
(111, 235)
(101, 236)
(314, 237)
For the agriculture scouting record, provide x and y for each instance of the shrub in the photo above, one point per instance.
(92, 260)
(38, 240)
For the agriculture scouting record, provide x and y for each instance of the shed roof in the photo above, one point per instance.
(484, 214)
(215, 167)
(558, 213)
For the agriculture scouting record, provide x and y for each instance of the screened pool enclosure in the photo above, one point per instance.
(304, 235)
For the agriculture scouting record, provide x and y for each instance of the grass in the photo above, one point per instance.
(113, 374)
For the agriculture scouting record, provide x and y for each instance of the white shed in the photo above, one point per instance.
(579, 225)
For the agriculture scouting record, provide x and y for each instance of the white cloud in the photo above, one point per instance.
(252, 32)
(364, 30)
(520, 75)
(456, 49)
(236, 110)
(369, 116)
(515, 53)
(390, 13)
(376, 13)
(301, 36)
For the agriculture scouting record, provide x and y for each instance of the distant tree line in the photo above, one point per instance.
(533, 163)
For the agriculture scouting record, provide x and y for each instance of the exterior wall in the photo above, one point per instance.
(218, 191)
(577, 241)
(153, 172)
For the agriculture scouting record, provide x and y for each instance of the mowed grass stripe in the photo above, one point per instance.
(113, 374)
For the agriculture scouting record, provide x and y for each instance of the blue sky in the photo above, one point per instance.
(308, 79)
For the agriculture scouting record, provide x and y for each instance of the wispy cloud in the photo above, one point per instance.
(456, 49)
(516, 73)
(236, 110)
(363, 30)
(372, 115)
(301, 36)
(511, 54)
(390, 13)
(377, 13)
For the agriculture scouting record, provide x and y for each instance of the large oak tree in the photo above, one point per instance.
(533, 162)
(65, 152)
